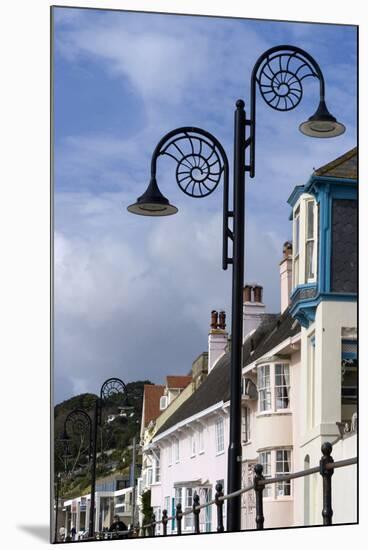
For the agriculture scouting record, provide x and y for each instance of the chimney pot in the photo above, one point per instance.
(247, 293)
(287, 249)
(214, 319)
(257, 290)
(222, 320)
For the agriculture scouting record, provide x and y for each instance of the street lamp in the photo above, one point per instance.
(81, 424)
(202, 162)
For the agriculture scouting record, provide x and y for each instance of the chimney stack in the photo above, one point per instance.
(286, 275)
(253, 308)
(217, 338)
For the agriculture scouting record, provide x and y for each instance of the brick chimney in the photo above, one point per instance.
(217, 338)
(286, 275)
(253, 308)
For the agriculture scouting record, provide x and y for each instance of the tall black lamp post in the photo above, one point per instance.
(82, 426)
(201, 162)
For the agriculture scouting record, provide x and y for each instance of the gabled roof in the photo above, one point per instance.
(345, 166)
(151, 402)
(216, 388)
(177, 382)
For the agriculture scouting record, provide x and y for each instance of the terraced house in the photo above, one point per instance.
(299, 385)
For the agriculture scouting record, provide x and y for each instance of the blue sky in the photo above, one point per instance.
(133, 295)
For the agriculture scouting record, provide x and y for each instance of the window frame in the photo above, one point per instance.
(273, 388)
(245, 425)
(276, 386)
(266, 388)
(200, 439)
(193, 444)
(310, 278)
(219, 435)
(176, 450)
(296, 249)
(270, 491)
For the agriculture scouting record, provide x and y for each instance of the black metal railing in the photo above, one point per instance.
(325, 468)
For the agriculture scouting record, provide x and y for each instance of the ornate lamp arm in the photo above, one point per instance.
(279, 73)
(201, 161)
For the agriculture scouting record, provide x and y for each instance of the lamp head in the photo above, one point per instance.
(322, 124)
(152, 202)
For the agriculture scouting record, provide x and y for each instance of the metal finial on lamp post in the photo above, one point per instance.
(201, 163)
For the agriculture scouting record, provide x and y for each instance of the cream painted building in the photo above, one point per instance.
(299, 375)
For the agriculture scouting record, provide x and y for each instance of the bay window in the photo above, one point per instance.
(282, 387)
(273, 381)
(296, 246)
(265, 460)
(276, 463)
(283, 488)
(264, 387)
(309, 242)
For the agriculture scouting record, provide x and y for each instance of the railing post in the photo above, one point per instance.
(153, 525)
(179, 516)
(164, 522)
(196, 513)
(258, 488)
(219, 506)
(326, 474)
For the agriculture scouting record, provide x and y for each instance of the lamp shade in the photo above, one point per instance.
(322, 124)
(152, 202)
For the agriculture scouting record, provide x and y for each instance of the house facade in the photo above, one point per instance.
(299, 375)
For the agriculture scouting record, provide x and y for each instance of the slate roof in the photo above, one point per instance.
(271, 332)
(345, 166)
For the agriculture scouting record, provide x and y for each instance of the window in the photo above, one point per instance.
(163, 402)
(219, 431)
(309, 241)
(283, 488)
(296, 246)
(265, 460)
(176, 450)
(157, 466)
(188, 520)
(245, 424)
(273, 387)
(149, 476)
(178, 495)
(200, 439)
(167, 505)
(264, 387)
(282, 386)
(169, 454)
(193, 449)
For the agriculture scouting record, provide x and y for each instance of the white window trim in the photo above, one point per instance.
(314, 239)
(177, 450)
(201, 448)
(273, 409)
(296, 256)
(193, 444)
(219, 420)
(272, 497)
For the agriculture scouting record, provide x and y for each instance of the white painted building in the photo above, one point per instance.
(299, 376)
